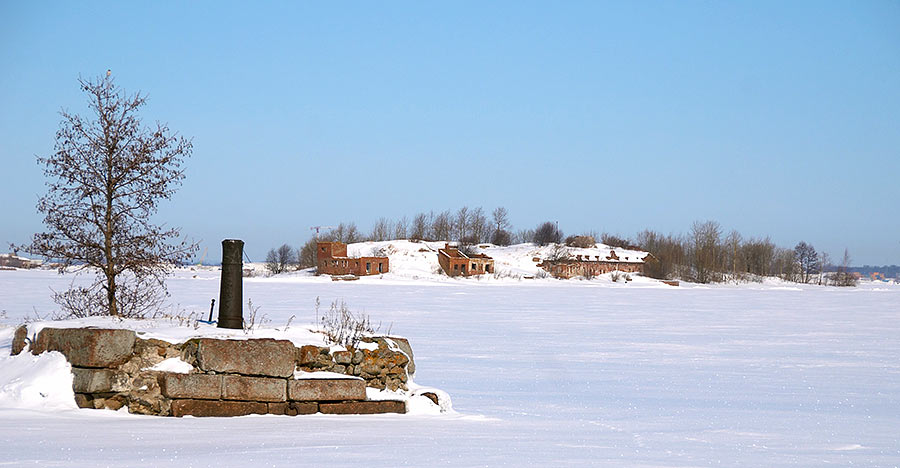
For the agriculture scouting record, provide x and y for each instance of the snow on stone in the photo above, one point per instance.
(175, 365)
(41, 382)
(301, 375)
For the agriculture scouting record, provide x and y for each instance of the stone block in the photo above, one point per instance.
(363, 407)
(209, 408)
(307, 355)
(343, 357)
(293, 408)
(18, 343)
(92, 380)
(194, 386)
(326, 389)
(87, 347)
(238, 387)
(266, 357)
(84, 401)
(404, 346)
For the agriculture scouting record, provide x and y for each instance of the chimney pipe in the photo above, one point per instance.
(230, 289)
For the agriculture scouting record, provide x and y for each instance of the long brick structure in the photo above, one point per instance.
(456, 263)
(332, 259)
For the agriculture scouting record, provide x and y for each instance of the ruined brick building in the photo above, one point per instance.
(332, 259)
(593, 265)
(456, 263)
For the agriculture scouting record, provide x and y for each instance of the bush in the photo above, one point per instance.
(277, 260)
(343, 327)
(547, 233)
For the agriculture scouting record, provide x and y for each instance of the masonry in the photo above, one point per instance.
(332, 259)
(587, 265)
(456, 263)
(112, 368)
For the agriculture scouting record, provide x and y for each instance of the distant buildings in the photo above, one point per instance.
(593, 265)
(456, 263)
(332, 259)
(15, 261)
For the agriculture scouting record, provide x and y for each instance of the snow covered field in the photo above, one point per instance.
(541, 372)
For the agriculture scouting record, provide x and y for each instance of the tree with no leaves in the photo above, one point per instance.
(808, 259)
(277, 260)
(547, 233)
(106, 176)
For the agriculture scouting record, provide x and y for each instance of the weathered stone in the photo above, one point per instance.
(83, 401)
(326, 389)
(357, 357)
(209, 408)
(18, 343)
(343, 357)
(194, 386)
(293, 408)
(363, 407)
(404, 346)
(92, 380)
(268, 357)
(432, 396)
(238, 387)
(87, 347)
(307, 355)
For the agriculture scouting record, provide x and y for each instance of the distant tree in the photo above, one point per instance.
(461, 224)
(107, 175)
(759, 256)
(547, 233)
(706, 251)
(501, 234)
(381, 231)
(278, 260)
(808, 259)
(307, 256)
(400, 228)
(614, 241)
(442, 227)
(479, 228)
(344, 232)
(843, 276)
(420, 227)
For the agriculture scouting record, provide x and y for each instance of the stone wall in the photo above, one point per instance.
(112, 369)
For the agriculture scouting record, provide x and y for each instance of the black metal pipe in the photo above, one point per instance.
(230, 289)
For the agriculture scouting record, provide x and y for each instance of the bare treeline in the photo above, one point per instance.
(707, 254)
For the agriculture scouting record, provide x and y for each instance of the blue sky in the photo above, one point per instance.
(773, 118)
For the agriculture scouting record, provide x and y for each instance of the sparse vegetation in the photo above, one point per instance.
(342, 326)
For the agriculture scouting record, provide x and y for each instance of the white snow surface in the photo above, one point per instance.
(175, 365)
(541, 373)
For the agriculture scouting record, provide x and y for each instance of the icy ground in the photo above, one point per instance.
(542, 373)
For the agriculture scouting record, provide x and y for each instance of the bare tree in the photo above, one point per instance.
(441, 227)
(478, 226)
(420, 226)
(278, 260)
(843, 276)
(501, 225)
(381, 231)
(808, 259)
(307, 256)
(400, 228)
(706, 251)
(547, 233)
(461, 224)
(107, 175)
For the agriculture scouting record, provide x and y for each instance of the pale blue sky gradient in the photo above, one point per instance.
(773, 118)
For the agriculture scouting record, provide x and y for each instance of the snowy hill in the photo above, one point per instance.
(419, 260)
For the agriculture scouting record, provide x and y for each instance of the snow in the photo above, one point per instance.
(541, 373)
(301, 375)
(173, 365)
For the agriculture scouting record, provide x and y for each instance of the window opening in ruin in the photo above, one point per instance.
(368, 267)
(379, 268)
